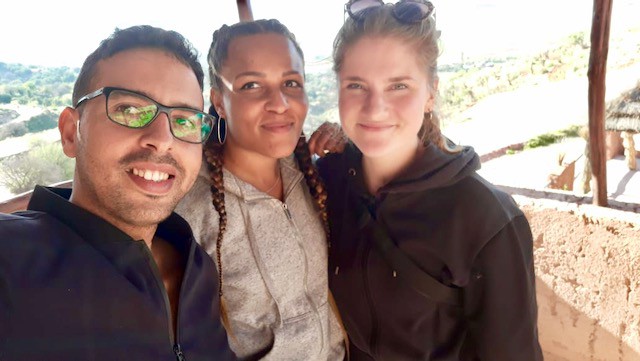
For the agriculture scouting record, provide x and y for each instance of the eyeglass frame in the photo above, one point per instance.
(429, 4)
(161, 108)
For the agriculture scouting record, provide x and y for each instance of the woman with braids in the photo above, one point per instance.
(258, 207)
(428, 260)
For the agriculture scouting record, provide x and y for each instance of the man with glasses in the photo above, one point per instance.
(107, 271)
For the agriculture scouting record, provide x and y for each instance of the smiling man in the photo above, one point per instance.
(107, 271)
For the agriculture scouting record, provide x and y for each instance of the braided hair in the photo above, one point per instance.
(218, 53)
(314, 182)
(213, 154)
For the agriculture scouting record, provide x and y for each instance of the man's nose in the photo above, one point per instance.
(157, 135)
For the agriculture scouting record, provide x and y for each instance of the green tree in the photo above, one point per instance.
(40, 122)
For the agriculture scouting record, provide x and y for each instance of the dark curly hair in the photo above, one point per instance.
(136, 37)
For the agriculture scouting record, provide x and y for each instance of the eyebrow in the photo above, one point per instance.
(400, 78)
(392, 79)
(263, 75)
(250, 73)
(177, 105)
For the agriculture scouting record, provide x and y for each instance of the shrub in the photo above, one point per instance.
(549, 138)
(40, 122)
(44, 164)
(13, 130)
(7, 115)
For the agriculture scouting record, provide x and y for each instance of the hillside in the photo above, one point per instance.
(43, 90)
(462, 84)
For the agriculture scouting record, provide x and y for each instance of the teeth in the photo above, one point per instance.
(151, 175)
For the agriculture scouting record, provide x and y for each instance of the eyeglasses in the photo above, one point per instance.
(134, 110)
(405, 11)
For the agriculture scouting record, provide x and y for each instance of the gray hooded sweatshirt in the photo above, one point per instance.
(274, 267)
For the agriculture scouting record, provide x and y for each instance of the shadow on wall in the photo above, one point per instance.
(566, 334)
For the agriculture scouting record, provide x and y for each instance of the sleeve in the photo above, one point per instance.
(500, 301)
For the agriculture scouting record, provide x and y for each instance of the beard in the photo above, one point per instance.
(103, 194)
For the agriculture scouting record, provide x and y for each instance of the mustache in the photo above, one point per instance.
(146, 155)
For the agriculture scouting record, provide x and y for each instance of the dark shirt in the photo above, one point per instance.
(74, 287)
(455, 227)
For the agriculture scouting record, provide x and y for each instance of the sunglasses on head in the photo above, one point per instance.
(405, 11)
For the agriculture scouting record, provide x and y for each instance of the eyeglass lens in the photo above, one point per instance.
(360, 5)
(407, 11)
(136, 111)
(412, 11)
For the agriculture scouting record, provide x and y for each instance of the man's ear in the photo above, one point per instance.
(69, 127)
(215, 96)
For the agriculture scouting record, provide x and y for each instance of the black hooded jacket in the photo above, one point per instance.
(456, 227)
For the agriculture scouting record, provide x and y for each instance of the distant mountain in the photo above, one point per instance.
(38, 74)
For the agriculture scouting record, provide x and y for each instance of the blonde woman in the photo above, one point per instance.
(428, 260)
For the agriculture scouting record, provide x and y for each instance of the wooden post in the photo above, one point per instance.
(629, 149)
(244, 10)
(597, 87)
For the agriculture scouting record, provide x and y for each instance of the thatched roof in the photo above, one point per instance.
(623, 113)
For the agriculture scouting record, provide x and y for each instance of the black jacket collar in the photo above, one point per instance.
(97, 231)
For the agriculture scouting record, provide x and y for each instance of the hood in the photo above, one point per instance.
(433, 169)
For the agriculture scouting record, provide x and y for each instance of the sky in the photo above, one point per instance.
(64, 32)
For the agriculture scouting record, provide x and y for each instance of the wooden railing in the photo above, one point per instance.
(20, 202)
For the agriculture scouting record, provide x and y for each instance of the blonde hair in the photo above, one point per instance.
(422, 36)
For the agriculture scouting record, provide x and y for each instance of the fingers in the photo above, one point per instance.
(317, 141)
(326, 139)
(337, 140)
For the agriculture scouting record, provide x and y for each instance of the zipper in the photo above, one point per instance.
(373, 340)
(287, 192)
(177, 349)
(306, 274)
(287, 212)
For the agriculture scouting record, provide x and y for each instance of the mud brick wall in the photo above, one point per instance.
(587, 262)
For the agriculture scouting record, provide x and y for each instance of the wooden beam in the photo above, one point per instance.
(597, 76)
(244, 10)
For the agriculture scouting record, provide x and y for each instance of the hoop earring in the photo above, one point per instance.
(221, 130)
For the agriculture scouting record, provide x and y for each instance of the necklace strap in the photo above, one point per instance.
(274, 184)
